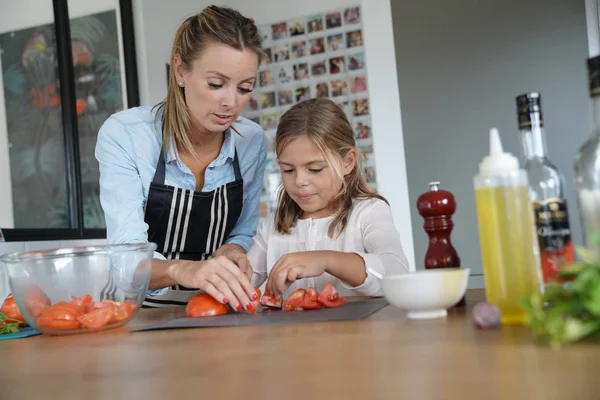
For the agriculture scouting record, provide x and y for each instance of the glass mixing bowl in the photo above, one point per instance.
(79, 289)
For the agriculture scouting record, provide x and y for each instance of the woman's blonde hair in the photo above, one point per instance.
(213, 25)
(326, 125)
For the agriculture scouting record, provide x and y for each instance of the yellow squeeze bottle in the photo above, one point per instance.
(506, 232)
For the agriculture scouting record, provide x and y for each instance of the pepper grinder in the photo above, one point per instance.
(437, 207)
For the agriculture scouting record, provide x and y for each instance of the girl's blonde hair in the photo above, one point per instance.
(213, 25)
(326, 125)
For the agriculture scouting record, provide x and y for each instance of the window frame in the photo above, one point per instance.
(66, 75)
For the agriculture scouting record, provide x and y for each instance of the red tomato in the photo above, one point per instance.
(268, 300)
(97, 318)
(330, 298)
(81, 303)
(11, 310)
(309, 302)
(204, 305)
(254, 304)
(36, 301)
(294, 301)
(59, 316)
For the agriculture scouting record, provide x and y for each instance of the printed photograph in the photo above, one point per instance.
(317, 46)
(370, 174)
(339, 87)
(352, 15)
(319, 68)
(298, 49)
(358, 84)
(345, 107)
(335, 42)
(365, 147)
(297, 28)
(265, 33)
(252, 104)
(279, 31)
(321, 90)
(285, 75)
(356, 61)
(285, 97)
(354, 38)
(269, 121)
(315, 23)
(360, 107)
(266, 78)
(267, 100)
(333, 20)
(302, 93)
(337, 65)
(301, 71)
(281, 53)
(362, 130)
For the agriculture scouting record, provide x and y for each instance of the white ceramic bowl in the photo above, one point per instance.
(426, 294)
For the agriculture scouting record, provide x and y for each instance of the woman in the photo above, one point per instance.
(187, 174)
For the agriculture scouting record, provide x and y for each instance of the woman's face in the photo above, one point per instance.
(217, 85)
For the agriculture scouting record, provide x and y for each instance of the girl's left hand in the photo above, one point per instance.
(293, 266)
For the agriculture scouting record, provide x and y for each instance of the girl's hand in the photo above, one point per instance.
(236, 254)
(295, 266)
(219, 277)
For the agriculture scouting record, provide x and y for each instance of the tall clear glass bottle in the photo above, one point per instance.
(546, 189)
(587, 161)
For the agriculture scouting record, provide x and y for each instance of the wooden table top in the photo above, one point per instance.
(383, 356)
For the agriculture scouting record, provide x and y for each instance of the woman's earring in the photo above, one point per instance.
(181, 83)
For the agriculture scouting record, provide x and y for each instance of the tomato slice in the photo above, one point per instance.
(97, 318)
(254, 304)
(309, 301)
(330, 298)
(294, 301)
(59, 316)
(81, 303)
(204, 305)
(11, 310)
(36, 301)
(268, 300)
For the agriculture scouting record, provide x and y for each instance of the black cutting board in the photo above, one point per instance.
(348, 312)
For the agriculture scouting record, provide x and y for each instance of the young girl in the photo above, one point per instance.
(329, 227)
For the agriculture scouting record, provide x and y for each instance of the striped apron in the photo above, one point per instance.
(189, 225)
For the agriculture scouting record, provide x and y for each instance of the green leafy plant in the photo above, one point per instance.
(8, 325)
(569, 312)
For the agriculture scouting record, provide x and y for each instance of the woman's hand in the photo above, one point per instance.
(236, 254)
(219, 277)
(293, 266)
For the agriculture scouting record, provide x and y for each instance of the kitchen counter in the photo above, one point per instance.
(383, 356)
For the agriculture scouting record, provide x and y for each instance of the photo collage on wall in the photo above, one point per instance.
(319, 55)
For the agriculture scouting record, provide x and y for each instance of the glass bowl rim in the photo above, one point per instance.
(75, 251)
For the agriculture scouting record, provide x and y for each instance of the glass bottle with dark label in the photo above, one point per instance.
(546, 189)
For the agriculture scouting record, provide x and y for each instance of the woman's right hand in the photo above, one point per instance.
(219, 277)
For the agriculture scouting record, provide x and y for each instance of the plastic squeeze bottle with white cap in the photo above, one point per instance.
(506, 232)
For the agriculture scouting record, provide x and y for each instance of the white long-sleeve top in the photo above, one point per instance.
(370, 233)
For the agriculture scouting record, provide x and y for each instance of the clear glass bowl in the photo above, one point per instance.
(80, 289)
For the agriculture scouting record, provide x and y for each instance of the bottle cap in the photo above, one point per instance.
(497, 162)
(593, 67)
(529, 108)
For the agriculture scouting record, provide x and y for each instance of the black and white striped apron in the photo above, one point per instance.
(189, 225)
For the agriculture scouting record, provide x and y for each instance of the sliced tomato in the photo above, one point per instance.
(97, 318)
(254, 304)
(11, 310)
(204, 305)
(129, 306)
(330, 298)
(309, 301)
(59, 316)
(81, 303)
(294, 301)
(36, 301)
(268, 300)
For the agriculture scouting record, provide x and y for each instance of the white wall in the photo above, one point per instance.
(23, 14)
(156, 23)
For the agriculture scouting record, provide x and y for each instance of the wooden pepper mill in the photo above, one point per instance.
(437, 207)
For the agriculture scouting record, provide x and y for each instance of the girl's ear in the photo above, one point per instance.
(349, 161)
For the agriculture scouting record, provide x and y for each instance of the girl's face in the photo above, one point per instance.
(218, 85)
(308, 179)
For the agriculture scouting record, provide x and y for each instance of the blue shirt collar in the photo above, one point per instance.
(227, 150)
